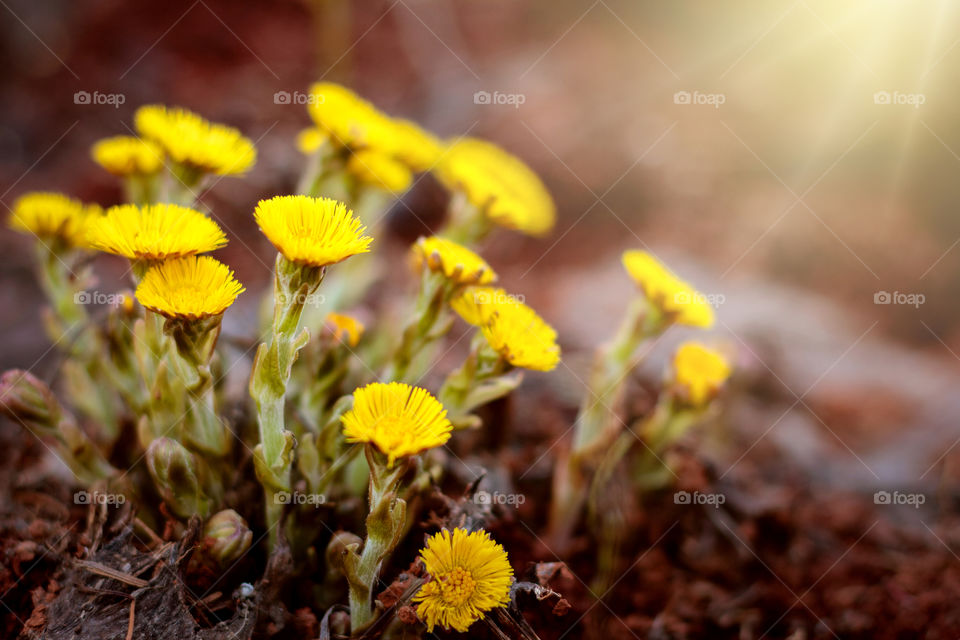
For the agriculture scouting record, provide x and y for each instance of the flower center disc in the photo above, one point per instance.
(457, 586)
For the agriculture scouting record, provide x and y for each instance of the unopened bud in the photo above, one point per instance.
(175, 472)
(226, 537)
(25, 397)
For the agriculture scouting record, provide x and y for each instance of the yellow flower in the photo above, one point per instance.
(699, 371)
(499, 184)
(53, 216)
(517, 333)
(194, 142)
(344, 326)
(677, 299)
(193, 287)
(155, 232)
(310, 140)
(469, 575)
(381, 170)
(349, 119)
(475, 304)
(456, 262)
(397, 419)
(418, 149)
(127, 155)
(312, 231)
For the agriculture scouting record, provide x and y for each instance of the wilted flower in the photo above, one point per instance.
(155, 232)
(469, 575)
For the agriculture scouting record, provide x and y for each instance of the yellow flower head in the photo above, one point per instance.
(397, 419)
(474, 304)
(344, 326)
(674, 297)
(155, 232)
(380, 170)
(194, 142)
(517, 333)
(469, 575)
(699, 371)
(456, 262)
(127, 156)
(499, 184)
(418, 149)
(310, 140)
(312, 231)
(193, 287)
(350, 120)
(53, 216)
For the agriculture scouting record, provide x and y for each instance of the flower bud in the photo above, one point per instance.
(226, 537)
(25, 397)
(698, 373)
(176, 474)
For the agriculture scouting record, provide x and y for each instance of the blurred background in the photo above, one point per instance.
(794, 159)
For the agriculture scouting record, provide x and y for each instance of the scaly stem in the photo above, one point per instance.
(428, 322)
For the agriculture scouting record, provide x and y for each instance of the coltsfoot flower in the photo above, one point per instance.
(310, 140)
(475, 304)
(193, 287)
(469, 576)
(418, 149)
(456, 262)
(678, 300)
(155, 232)
(195, 142)
(311, 231)
(498, 184)
(699, 372)
(380, 170)
(398, 419)
(345, 328)
(127, 156)
(349, 119)
(52, 216)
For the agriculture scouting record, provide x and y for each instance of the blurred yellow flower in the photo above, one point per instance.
(399, 420)
(193, 287)
(309, 140)
(127, 155)
(350, 120)
(194, 142)
(415, 147)
(675, 298)
(312, 231)
(474, 304)
(344, 326)
(380, 170)
(498, 184)
(469, 575)
(456, 262)
(699, 371)
(154, 232)
(52, 216)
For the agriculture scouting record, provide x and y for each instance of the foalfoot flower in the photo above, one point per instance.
(380, 170)
(155, 232)
(345, 328)
(350, 120)
(195, 142)
(310, 140)
(193, 287)
(699, 372)
(398, 419)
(127, 156)
(418, 149)
(675, 298)
(312, 231)
(469, 576)
(51, 216)
(498, 184)
(521, 337)
(456, 262)
(474, 304)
